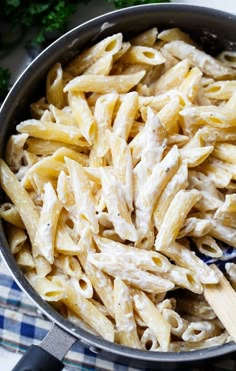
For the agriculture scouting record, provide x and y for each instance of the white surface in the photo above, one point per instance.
(226, 5)
(9, 359)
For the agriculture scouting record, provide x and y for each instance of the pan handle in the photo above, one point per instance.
(49, 354)
(38, 359)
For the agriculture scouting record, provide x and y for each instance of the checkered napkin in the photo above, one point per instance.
(21, 325)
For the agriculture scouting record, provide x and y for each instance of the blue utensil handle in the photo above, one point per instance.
(38, 359)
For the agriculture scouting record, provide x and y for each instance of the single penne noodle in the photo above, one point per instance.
(124, 316)
(184, 278)
(69, 265)
(54, 86)
(101, 282)
(152, 188)
(104, 109)
(143, 54)
(225, 152)
(95, 160)
(157, 102)
(9, 213)
(117, 207)
(226, 214)
(195, 227)
(16, 238)
(25, 259)
(74, 318)
(191, 84)
(211, 199)
(172, 78)
(136, 128)
(50, 131)
(131, 275)
(46, 230)
(171, 61)
(82, 115)
(38, 108)
(53, 165)
(64, 243)
(211, 342)
(42, 266)
(65, 192)
(174, 33)
(105, 84)
(125, 116)
(49, 290)
(178, 139)
(228, 57)
(147, 260)
(146, 38)
(83, 285)
(220, 175)
(218, 117)
(62, 116)
(124, 47)
(89, 313)
(209, 65)
(198, 331)
(174, 217)
(85, 213)
(153, 318)
(208, 246)
(186, 258)
(164, 303)
(47, 116)
(21, 199)
(149, 340)
(177, 323)
(223, 233)
(213, 134)
(14, 151)
(149, 147)
(45, 148)
(111, 234)
(178, 182)
(122, 165)
(195, 157)
(111, 45)
(220, 89)
(103, 114)
(100, 306)
(169, 115)
(102, 66)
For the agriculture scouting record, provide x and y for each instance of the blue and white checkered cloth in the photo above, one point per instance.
(21, 325)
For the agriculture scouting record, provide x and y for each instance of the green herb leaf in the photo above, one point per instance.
(4, 82)
(126, 3)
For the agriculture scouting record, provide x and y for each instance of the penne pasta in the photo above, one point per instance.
(121, 184)
(124, 316)
(104, 84)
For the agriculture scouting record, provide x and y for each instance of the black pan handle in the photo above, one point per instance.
(38, 359)
(49, 354)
